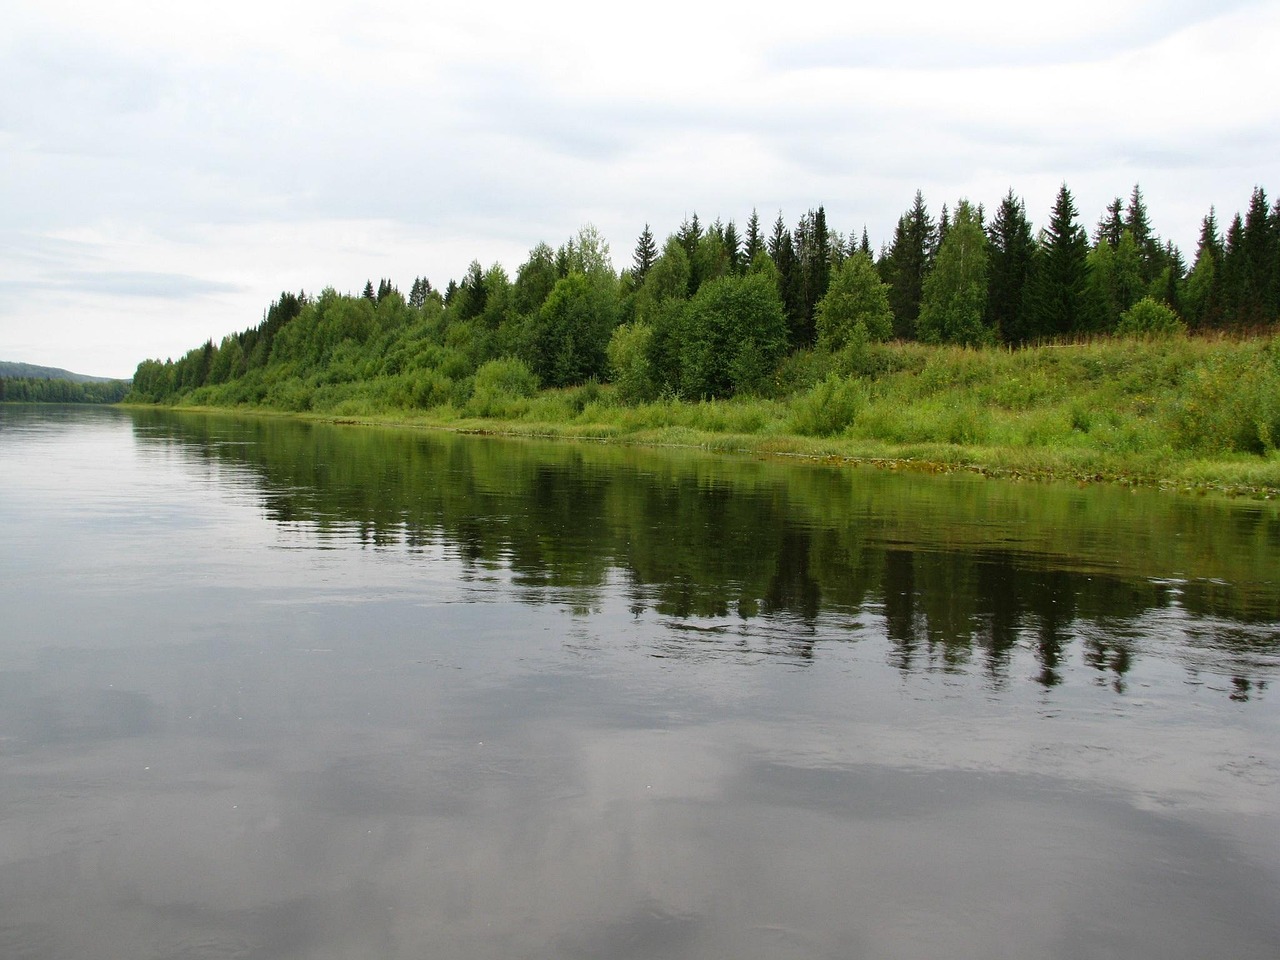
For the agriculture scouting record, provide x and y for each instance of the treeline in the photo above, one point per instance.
(41, 390)
(716, 310)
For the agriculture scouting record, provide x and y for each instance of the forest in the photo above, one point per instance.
(58, 390)
(807, 317)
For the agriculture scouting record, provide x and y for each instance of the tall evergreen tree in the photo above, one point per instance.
(783, 253)
(813, 250)
(1060, 298)
(1111, 225)
(1255, 302)
(753, 240)
(369, 293)
(1138, 223)
(645, 256)
(908, 262)
(1201, 293)
(732, 247)
(1012, 249)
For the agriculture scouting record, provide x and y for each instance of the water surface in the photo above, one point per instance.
(271, 689)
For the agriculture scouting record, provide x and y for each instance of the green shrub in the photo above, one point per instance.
(1231, 405)
(829, 407)
(630, 363)
(291, 395)
(1149, 318)
(501, 387)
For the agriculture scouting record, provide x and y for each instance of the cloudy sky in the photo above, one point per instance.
(169, 168)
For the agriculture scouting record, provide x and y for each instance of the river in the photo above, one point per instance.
(275, 689)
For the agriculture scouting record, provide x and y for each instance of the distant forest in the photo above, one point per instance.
(49, 390)
(717, 308)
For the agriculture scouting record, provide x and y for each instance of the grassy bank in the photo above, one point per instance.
(1181, 411)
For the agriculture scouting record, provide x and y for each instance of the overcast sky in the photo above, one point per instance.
(168, 169)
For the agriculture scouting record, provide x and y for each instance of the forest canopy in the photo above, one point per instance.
(716, 309)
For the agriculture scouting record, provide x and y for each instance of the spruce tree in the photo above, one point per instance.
(783, 253)
(1012, 250)
(1255, 304)
(645, 255)
(732, 247)
(908, 263)
(1060, 302)
(1111, 225)
(1137, 222)
(753, 241)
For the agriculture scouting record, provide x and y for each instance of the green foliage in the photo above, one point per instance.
(1147, 318)
(1012, 253)
(1231, 403)
(1060, 299)
(734, 334)
(908, 262)
(568, 336)
(829, 407)
(500, 386)
(56, 390)
(668, 279)
(630, 362)
(955, 293)
(856, 305)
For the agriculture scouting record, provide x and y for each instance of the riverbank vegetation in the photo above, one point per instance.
(963, 342)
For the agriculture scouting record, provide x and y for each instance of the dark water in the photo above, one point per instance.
(273, 690)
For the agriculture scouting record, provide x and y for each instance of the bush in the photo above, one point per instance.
(828, 408)
(1149, 318)
(1230, 406)
(630, 362)
(501, 386)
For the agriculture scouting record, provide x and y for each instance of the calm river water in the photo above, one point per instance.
(279, 690)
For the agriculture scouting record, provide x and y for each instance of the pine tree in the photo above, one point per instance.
(1012, 249)
(1060, 301)
(645, 256)
(368, 291)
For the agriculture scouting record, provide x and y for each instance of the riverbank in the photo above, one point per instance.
(1184, 412)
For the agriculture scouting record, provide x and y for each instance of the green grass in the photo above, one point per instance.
(1182, 411)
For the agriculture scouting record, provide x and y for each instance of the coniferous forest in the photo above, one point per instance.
(803, 313)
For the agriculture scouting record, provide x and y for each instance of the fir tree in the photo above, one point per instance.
(1060, 299)
(1111, 225)
(908, 262)
(1012, 249)
(753, 241)
(645, 256)
(733, 247)
(782, 251)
